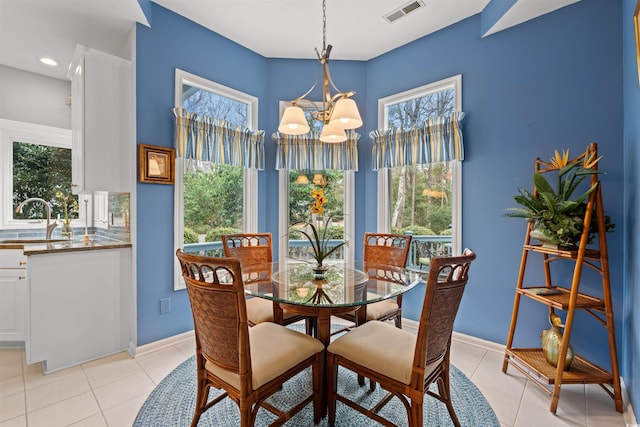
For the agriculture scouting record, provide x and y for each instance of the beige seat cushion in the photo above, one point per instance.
(274, 349)
(378, 346)
(260, 310)
(381, 308)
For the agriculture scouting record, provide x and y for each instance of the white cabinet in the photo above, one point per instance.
(80, 306)
(13, 283)
(101, 121)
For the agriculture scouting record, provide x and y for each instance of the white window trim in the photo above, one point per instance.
(11, 131)
(250, 176)
(384, 175)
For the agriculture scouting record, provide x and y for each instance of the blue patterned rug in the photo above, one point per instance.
(172, 403)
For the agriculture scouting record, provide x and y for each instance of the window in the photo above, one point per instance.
(206, 199)
(296, 200)
(36, 162)
(421, 199)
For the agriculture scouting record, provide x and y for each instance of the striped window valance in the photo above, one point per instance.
(202, 140)
(438, 140)
(307, 152)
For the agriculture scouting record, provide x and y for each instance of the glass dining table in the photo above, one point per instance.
(343, 288)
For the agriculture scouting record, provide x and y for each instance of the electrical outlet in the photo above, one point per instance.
(165, 305)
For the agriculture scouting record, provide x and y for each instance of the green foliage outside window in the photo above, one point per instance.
(41, 171)
(190, 236)
(213, 199)
(214, 235)
(300, 198)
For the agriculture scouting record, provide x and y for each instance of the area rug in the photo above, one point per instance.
(172, 402)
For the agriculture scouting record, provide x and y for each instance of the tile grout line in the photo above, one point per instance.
(93, 393)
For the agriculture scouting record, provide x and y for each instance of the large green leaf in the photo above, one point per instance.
(542, 184)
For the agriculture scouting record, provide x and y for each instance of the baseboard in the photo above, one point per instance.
(628, 415)
(163, 343)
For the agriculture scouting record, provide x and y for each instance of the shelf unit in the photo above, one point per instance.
(531, 361)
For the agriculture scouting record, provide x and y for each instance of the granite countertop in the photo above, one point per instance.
(38, 247)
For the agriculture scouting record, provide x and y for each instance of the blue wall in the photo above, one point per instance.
(175, 42)
(631, 331)
(554, 82)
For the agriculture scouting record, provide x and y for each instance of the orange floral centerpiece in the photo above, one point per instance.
(317, 234)
(319, 199)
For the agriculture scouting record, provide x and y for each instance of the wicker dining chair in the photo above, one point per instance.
(250, 364)
(402, 363)
(386, 249)
(254, 249)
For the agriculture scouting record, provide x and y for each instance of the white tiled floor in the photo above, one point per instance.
(110, 391)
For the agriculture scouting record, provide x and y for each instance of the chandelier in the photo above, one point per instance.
(337, 112)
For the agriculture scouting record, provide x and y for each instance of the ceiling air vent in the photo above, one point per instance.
(403, 11)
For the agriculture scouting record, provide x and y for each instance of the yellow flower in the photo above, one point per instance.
(317, 193)
(589, 161)
(317, 207)
(559, 161)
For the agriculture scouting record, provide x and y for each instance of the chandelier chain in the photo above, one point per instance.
(324, 26)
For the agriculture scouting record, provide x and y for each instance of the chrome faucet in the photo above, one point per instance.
(50, 226)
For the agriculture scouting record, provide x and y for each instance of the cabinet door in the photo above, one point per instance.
(101, 92)
(80, 306)
(12, 305)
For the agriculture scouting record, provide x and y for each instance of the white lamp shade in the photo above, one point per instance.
(346, 114)
(293, 122)
(332, 133)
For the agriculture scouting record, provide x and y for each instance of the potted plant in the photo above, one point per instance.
(557, 216)
(319, 238)
(317, 233)
(69, 205)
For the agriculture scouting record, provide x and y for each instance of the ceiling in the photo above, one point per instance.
(357, 29)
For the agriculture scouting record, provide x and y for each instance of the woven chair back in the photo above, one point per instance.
(389, 249)
(216, 294)
(446, 282)
(249, 249)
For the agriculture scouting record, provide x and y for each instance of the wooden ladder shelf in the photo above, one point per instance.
(531, 361)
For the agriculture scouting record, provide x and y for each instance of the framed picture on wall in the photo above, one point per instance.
(156, 164)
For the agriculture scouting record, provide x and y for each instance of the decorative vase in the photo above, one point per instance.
(546, 241)
(319, 272)
(551, 340)
(66, 231)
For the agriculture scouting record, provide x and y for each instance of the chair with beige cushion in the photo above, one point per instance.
(253, 249)
(385, 249)
(250, 364)
(402, 363)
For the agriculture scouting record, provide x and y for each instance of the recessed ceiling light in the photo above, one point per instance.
(48, 61)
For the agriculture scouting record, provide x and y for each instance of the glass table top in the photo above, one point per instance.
(343, 284)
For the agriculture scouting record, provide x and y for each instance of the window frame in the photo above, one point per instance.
(384, 175)
(250, 176)
(30, 133)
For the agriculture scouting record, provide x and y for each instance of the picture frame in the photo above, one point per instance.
(636, 26)
(156, 164)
